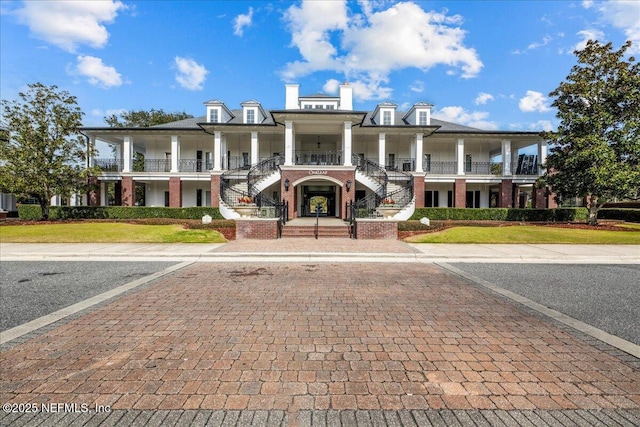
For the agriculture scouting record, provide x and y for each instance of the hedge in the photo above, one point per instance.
(33, 212)
(502, 214)
(629, 215)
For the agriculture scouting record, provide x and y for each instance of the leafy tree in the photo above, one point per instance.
(143, 118)
(44, 155)
(595, 153)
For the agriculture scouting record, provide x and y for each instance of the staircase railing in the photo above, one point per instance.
(373, 171)
(262, 170)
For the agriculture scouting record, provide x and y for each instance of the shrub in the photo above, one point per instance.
(629, 215)
(502, 214)
(33, 212)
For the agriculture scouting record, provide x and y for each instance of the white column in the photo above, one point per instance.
(288, 143)
(542, 155)
(217, 150)
(382, 149)
(419, 139)
(91, 157)
(346, 143)
(255, 149)
(460, 156)
(127, 154)
(506, 157)
(175, 153)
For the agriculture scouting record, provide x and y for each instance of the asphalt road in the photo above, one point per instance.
(604, 296)
(29, 290)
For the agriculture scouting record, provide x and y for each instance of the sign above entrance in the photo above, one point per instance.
(317, 172)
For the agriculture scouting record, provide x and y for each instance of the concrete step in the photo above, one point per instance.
(308, 231)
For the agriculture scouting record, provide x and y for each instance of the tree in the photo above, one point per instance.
(143, 118)
(595, 153)
(44, 155)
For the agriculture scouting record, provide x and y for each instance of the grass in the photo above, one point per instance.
(94, 232)
(528, 235)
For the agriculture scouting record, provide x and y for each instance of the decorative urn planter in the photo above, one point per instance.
(388, 211)
(246, 211)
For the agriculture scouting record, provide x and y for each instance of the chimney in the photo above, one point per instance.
(291, 97)
(346, 97)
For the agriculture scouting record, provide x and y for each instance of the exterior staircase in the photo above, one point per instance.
(305, 227)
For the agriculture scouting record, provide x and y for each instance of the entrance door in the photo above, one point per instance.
(324, 196)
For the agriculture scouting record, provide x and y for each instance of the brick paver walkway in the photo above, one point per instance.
(326, 337)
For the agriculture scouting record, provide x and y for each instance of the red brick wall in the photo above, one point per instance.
(295, 175)
(539, 198)
(94, 192)
(377, 229)
(175, 192)
(257, 229)
(505, 198)
(215, 191)
(418, 190)
(128, 191)
(460, 193)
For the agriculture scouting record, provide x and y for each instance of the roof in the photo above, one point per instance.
(320, 95)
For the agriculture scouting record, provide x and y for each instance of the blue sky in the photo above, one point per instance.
(487, 64)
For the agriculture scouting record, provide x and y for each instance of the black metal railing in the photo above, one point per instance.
(351, 220)
(194, 165)
(152, 165)
(327, 157)
(438, 167)
(236, 162)
(262, 170)
(374, 171)
(523, 168)
(402, 164)
(282, 212)
(109, 165)
(483, 168)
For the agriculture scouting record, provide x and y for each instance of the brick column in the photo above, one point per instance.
(128, 192)
(346, 197)
(215, 191)
(539, 198)
(175, 192)
(459, 194)
(288, 196)
(418, 190)
(515, 196)
(551, 200)
(505, 196)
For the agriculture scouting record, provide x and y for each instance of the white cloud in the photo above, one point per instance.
(456, 114)
(190, 75)
(545, 41)
(241, 21)
(544, 125)
(359, 46)
(68, 24)
(98, 74)
(586, 35)
(533, 101)
(483, 98)
(624, 15)
(417, 86)
(331, 86)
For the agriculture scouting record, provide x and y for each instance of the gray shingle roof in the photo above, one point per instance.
(191, 123)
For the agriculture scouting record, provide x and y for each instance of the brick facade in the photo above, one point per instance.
(296, 175)
(377, 229)
(257, 228)
(418, 190)
(215, 191)
(93, 196)
(128, 193)
(460, 193)
(175, 192)
(505, 195)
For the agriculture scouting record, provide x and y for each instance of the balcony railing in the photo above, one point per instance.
(319, 157)
(401, 164)
(440, 168)
(194, 165)
(483, 168)
(109, 165)
(519, 168)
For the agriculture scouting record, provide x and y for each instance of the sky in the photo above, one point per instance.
(485, 64)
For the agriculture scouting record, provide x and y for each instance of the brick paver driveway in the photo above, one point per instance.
(305, 337)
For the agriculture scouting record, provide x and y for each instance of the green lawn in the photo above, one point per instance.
(527, 234)
(94, 232)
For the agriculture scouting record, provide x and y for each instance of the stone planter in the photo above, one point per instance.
(246, 211)
(388, 211)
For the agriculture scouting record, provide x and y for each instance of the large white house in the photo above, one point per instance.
(318, 150)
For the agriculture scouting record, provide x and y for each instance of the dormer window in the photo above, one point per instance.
(422, 118)
(251, 116)
(213, 115)
(386, 118)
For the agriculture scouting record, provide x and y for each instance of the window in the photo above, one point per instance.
(422, 118)
(166, 198)
(251, 116)
(330, 107)
(199, 197)
(467, 163)
(473, 199)
(426, 165)
(319, 107)
(431, 199)
(386, 118)
(213, 115)
(308, 106)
